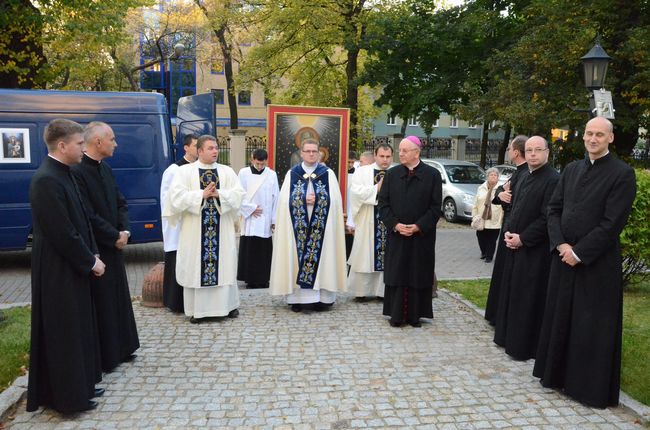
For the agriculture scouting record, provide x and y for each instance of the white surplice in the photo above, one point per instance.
(261, 190)
(330, 276)
(183, 204)
(170, 234)
(363, 280)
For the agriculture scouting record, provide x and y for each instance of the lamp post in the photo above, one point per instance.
(179, 48)
(595, 64)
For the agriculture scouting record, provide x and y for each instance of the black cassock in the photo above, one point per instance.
(172, 290)
(580, 343)
(522, 293)
(64, 356)
(410, 198)
(497, 270)
(108, 212)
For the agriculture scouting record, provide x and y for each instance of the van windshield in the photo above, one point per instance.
(465, 174)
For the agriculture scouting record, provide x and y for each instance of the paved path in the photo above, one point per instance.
(346, 368)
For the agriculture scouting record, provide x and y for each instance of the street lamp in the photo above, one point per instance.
(595, 63)
(179, 48)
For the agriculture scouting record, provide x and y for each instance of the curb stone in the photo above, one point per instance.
(10, 397)
(638, 408)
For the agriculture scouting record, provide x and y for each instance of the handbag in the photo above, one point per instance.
(478, 223)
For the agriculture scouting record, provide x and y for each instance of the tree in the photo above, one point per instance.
(62, 44)
(310, 52)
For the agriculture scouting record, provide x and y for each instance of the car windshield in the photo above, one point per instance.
(465, 174)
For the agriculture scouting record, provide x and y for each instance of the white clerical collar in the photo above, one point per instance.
(309, 169)
(592, 161)
(52, 156)
(206, 166)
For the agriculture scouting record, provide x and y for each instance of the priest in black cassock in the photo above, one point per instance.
(522, 294)
(108, 212)
(503, 197)
(64, 358)
(580, 344)
(410, 206)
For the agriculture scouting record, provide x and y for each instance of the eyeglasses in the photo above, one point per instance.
(535, 150)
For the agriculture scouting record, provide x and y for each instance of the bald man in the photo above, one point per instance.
(109, 216)
(580, 345)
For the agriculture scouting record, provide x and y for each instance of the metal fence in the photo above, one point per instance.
(253, 143)
(224, 150)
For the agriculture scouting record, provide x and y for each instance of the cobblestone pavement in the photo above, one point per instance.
(346, 368)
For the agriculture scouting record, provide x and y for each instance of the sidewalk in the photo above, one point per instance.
(346, 368)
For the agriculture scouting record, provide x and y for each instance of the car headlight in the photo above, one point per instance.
(468, 198)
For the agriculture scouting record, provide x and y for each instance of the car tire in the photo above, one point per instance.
(449, 210)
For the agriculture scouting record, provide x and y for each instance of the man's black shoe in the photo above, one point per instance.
(195, 320)
(296, 307)
(321, 307)
(415, 324)
(488, 259)
(99, 392)
(233, 313)
(395, 324)
(91, 405)
(130, 358)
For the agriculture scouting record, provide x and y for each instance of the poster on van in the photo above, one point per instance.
(15, 145)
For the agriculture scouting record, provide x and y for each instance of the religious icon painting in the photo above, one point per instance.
(289, 126)
(15, 145)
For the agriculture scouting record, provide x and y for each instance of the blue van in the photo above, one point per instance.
(145, 148)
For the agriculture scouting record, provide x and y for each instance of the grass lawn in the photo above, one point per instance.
(635, 367)
(14, 344)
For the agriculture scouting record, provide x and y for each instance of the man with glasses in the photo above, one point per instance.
(580, 345)
(525, 271)
(308, 264)
(503, 197)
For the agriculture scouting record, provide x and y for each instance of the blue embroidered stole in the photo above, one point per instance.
(381, 234)
(308, 232)
(210, 218)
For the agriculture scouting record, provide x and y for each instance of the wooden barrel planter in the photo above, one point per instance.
(152, 287)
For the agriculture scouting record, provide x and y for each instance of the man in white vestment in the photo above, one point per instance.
(365, 159)
(366, 277)
(258, 211)
(308, 264)
(205, 197)
(172, 291)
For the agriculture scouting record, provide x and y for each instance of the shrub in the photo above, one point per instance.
(635, 238)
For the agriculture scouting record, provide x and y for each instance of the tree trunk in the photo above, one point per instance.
(484, 143)
(504, 144)
(352, 97)
(226, 52)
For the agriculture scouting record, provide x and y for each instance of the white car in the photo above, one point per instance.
(505, 172)
(460, 181)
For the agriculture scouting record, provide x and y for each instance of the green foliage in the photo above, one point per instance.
(14, 344)
(474, 291)
(635, 238)
(635, 366)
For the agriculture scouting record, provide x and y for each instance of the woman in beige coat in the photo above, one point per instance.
(491, 214)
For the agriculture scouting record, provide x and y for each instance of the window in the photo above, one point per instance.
(453, 122)
(216, 67)
(390, 119)
(219, 96)
(244, 98)
(472, 126)
(267, 101)
(413, 122)
(437, 123)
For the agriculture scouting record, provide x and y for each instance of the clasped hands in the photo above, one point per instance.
(566, 252)
(210, 191)
(513, 241)
(406, 229)
(121, 241)
(506, 195)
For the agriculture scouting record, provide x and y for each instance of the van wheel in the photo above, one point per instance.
(449, 209)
